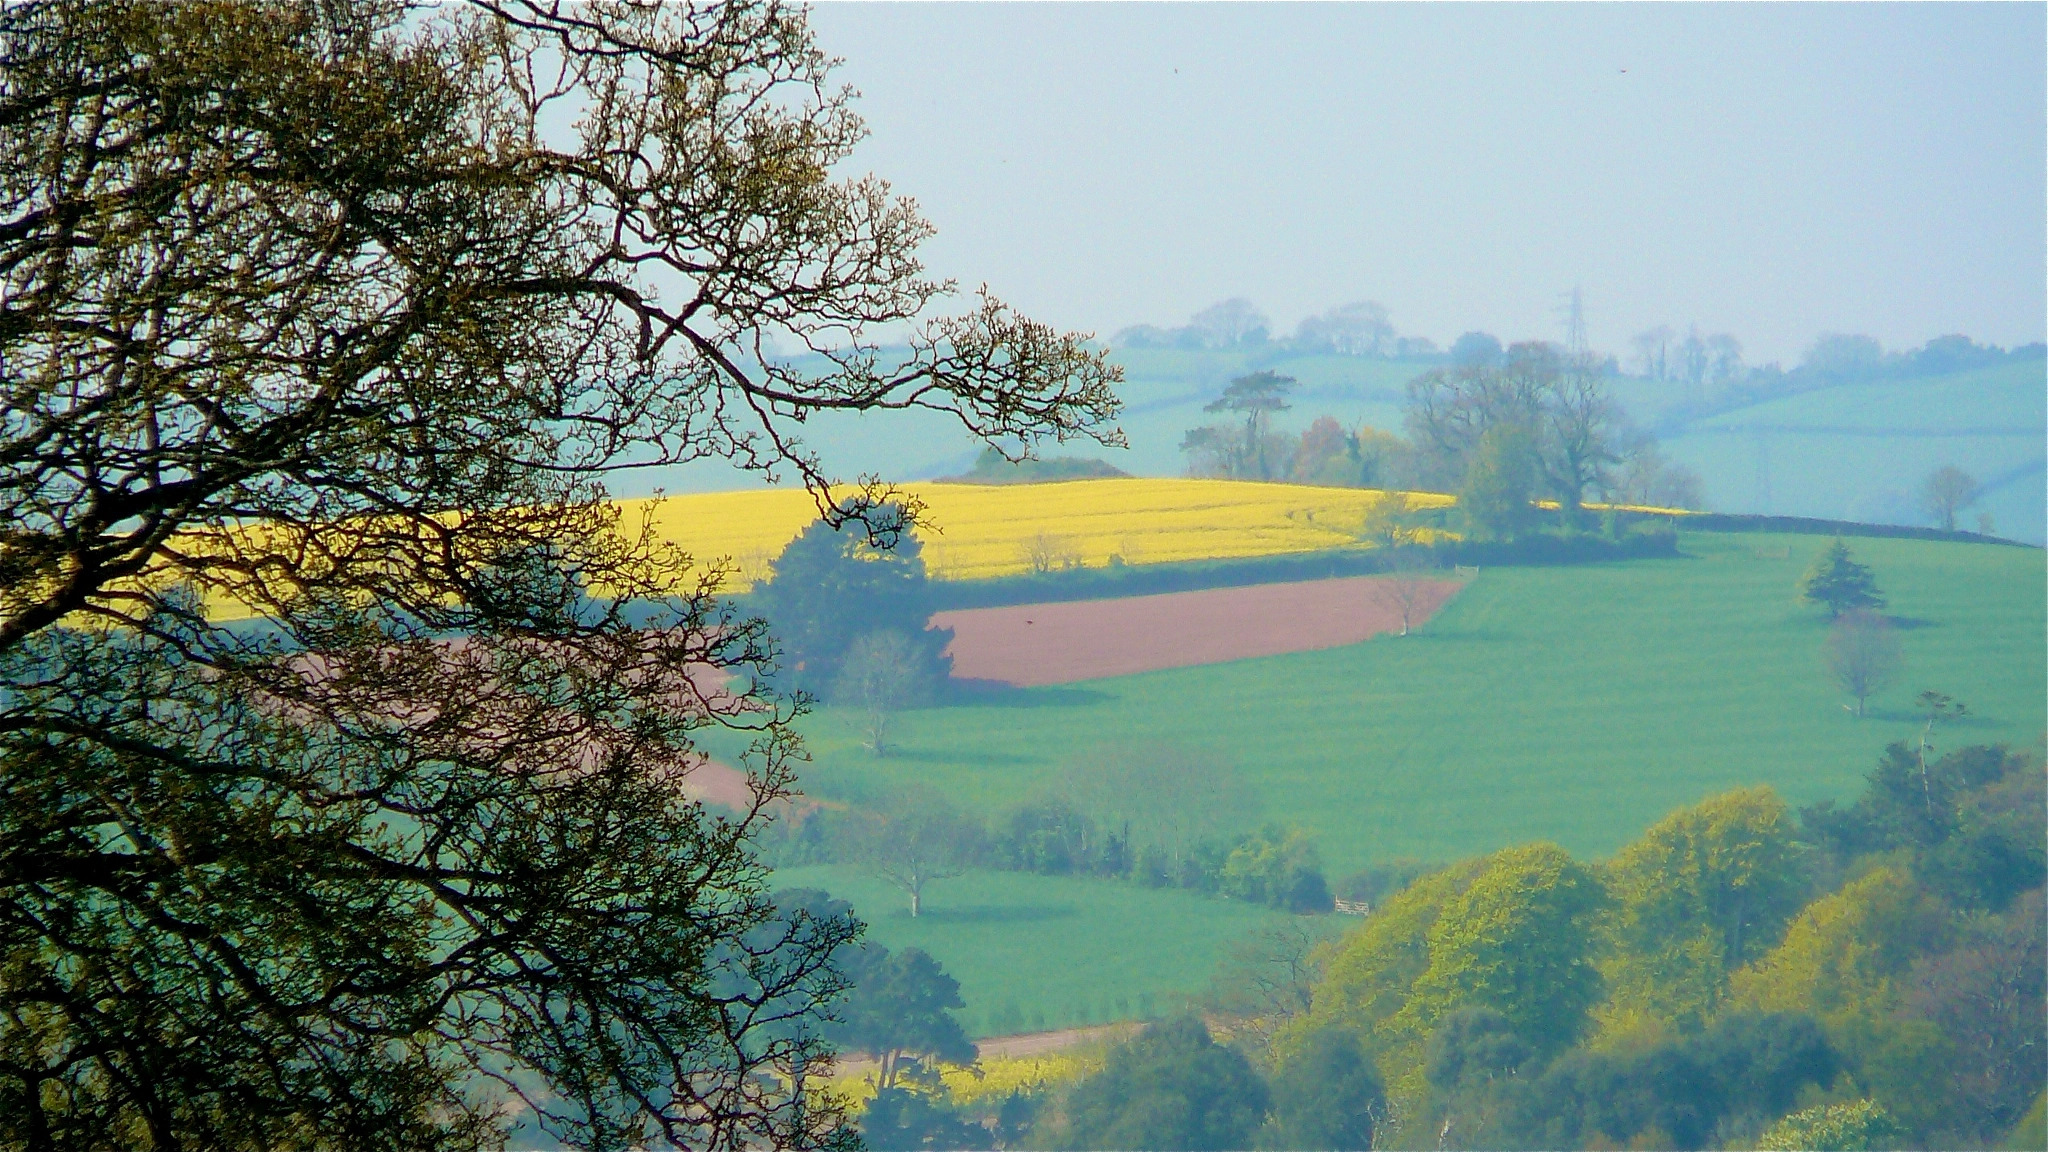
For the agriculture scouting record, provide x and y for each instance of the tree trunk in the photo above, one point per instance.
(916, 899)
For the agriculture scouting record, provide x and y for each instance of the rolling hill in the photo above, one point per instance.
(1573, 704)
(1854, 451)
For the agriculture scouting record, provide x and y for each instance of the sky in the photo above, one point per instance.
(1775, 171)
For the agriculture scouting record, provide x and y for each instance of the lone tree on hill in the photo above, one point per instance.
(1863, 655)
(1839, 582)
(340, 316)
(1948, 490)
(1257, 397)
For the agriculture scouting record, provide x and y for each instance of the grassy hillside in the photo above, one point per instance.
(1573, 704)
(1037, 952)
(1860, 451)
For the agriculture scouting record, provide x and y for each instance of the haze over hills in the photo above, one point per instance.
(1851, 443)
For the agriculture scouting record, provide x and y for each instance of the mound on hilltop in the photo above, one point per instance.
(992, 468)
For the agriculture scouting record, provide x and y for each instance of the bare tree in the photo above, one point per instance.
(1560, 401)
(1653, 352)
(1359, 329)
(1647, 479)
(916, 839)
(1863, 655)
(1409, 580)
(340, 315)
(1947, 491)
(1229, 324)
(1724, 353)
(881, 674)
(1451, 409)
(1695, 358)
(1576, 439)
(1267, 978)
(1045, 553)
(1160, 795)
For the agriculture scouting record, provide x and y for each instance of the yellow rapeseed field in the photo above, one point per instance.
(994, 1078)
(980, 531)
(986, 1082)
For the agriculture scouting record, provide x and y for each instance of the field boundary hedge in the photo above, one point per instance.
(1642, 535)
(1116, 581)
(1814, 526)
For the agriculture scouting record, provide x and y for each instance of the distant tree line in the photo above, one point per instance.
(1156, 817)
(1712, 377)
(1700, 359)
(1501, 427)
(1357, 329)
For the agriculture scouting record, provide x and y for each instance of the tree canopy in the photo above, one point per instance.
(1699, 894)
(1838, 582)
(335, 319)
(901, 1005)
(1172, 1088)
(832, 586)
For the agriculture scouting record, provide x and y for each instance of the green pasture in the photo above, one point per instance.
(1571, 704)
(1860, 451)
(1038, 952)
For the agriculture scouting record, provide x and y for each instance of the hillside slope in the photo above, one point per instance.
(1577, 704)
(1571, 704)
(1855, 451)
(1860, 451)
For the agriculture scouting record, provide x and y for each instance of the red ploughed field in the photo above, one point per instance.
(1034, 644)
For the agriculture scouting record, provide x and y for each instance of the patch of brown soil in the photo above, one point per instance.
(1035, 644)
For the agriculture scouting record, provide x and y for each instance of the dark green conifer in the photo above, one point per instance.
(1839, 582)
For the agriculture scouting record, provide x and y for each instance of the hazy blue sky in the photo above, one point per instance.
(1770, 170)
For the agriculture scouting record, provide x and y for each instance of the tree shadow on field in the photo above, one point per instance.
(1000, 694)
(1426, 634)
(1916, 717)
(989, 913)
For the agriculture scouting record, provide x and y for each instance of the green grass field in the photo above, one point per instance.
(1860, 451)
(1037, 952)
(1571, 704)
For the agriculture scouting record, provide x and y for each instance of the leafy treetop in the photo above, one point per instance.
(343, 315)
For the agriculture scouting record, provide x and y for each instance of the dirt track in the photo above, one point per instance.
(1025, 1044)
(1037, 644)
